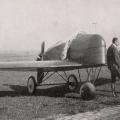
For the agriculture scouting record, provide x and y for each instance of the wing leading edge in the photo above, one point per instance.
(46, 66)
(34, 65)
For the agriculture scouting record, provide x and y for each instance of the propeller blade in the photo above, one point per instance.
(42, 48)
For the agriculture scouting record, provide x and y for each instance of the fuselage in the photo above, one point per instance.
(83, 49)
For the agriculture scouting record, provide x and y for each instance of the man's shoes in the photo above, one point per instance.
(114, 94)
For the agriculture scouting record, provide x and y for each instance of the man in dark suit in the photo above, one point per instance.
(113, 61)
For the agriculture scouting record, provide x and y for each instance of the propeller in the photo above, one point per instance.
(40, 56)
(42, 48)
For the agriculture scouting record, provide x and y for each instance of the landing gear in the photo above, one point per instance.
(87, 91)
(72, 83)
(31, 85)
(40, 75)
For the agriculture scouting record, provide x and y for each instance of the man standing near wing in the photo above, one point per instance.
(113, 61)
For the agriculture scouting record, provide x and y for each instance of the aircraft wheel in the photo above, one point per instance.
(72, 83)
(31, 85)
(87, 91)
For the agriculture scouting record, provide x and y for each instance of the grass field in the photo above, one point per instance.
(49, 101)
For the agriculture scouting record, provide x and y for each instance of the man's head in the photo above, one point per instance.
(115, 41)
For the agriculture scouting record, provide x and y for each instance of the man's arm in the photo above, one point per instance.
(117, 57)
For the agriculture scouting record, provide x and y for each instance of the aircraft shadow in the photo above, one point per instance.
(101, 81)
(53, 91)
(17, 90)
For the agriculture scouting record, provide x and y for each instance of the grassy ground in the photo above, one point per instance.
(16, 104)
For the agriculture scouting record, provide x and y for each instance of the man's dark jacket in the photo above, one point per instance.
(113, 57)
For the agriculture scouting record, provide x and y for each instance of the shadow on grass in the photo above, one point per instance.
(17, 90)
(53, 91)
(101, 81)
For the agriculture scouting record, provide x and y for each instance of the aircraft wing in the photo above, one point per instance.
(46, 66)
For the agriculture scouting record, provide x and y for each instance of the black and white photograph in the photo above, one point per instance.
(59, 59)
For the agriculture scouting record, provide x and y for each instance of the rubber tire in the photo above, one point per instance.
(72, 83)
(87, 91)
(31, 85)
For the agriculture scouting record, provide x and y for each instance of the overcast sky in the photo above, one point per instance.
(24, 24)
